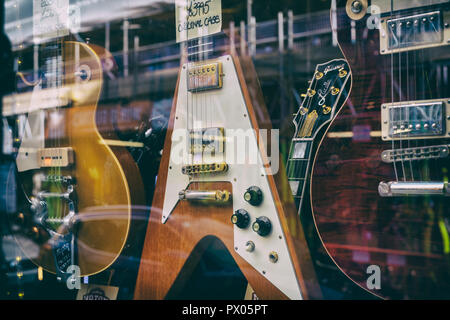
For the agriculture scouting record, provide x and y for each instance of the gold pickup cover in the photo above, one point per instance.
(204, 77)
(55, 157)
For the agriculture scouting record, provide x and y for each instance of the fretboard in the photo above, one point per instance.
(298, 167)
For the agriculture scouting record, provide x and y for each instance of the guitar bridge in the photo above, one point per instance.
(412, 154)
(204, 168)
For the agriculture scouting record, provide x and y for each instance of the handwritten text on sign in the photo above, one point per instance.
(54, 19)
(198, 18)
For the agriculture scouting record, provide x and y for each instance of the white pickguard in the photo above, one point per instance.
(226, 108)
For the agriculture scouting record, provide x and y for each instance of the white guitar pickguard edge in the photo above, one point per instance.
(226, 108)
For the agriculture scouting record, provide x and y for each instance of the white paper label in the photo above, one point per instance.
(197, 18)
(50, 19)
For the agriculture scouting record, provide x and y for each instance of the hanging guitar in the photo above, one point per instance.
(379, 187)
(206, 194)
(326, 94)
(79, 190)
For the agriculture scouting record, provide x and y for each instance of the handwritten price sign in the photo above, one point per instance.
(197, 18)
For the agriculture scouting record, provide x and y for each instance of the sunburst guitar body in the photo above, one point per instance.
(79, 189)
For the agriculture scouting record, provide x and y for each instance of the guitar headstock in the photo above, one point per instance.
(320, 101)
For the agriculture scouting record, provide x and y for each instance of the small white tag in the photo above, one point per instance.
(197, 18)
(50, 19)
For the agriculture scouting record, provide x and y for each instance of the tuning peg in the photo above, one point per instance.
(342, 73)
(326, 110)
(303, 95)
(311, 92)
(335, 91)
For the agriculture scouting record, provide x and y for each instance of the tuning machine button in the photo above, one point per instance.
(254, 196)
(262, 226)
(241, 218)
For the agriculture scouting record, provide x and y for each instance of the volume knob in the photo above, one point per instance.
(262, 226)
(254, 196)
(241, 218)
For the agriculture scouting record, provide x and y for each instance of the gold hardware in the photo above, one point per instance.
(342, 73)
(273, 257)
(303, 111)
(211, 140)
(326, 110)
(335, 91)
(356, 9)
(199, 195)
(311, 92)
(319, 75)
(205, 77)
(204, 168)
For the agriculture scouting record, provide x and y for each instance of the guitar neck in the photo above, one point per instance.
(298, 167)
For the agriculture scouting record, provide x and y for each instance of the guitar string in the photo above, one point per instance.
(303, 121)
(400, 94)
(392, 93)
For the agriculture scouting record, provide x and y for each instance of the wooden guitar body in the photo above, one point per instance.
(404, 237)
(105, 179)
(179, 231)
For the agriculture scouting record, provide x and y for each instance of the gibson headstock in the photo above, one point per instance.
(322, 97)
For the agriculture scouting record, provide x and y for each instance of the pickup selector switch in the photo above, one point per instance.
(262, 226)
(254, 196)
(241, 218)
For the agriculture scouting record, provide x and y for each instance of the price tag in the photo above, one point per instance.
(197, 18)
(50, 19)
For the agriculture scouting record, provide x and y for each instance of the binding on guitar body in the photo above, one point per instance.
(209, 194)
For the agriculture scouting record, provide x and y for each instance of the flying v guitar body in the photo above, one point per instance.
(200, 205)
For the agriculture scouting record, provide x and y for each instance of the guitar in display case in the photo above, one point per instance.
(215, 183)
(379, 189)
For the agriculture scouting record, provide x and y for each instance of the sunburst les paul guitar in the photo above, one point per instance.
(79, 190)
(379, 187)
(206, 193)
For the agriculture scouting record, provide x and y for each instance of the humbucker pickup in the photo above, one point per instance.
(413, 154)
(415, 120)
(202, 77)
(414, 32)
(55, 157)
(210, 140)
(204, 168)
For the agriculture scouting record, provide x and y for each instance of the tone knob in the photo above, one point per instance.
(241, 218)
(254, 196)
(262, 226)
